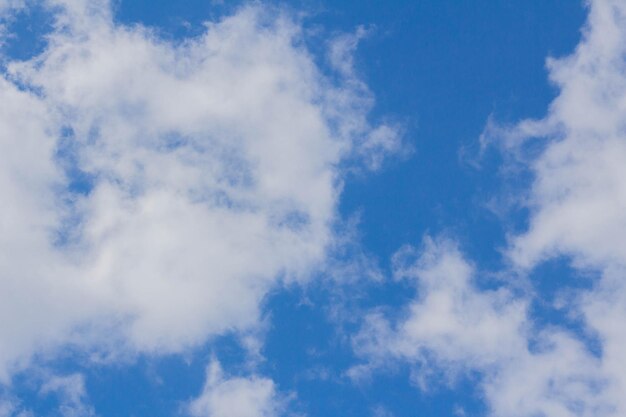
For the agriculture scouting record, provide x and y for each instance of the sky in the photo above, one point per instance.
(312, 208)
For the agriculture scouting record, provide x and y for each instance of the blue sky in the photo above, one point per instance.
(310, 208)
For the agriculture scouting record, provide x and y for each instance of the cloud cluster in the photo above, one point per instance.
(455, 329)
(578, 199)
(154, 191)
(577, 205)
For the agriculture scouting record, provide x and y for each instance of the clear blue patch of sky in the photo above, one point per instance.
(26, 32)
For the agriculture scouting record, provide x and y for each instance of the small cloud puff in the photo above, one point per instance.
(225, 396)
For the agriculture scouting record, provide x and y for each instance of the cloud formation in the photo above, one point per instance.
(73, 396)
(455, 329)
(225, 396)
(578, 198)
(577, 204)
(155, 191)
(578, 195)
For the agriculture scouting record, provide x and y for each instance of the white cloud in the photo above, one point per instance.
(10, 5)
(70, 390)
(380, 141)
(212, 173)
(66, 392)
(450, 318)
(577, 207)
(225, 396)
(453, 329)
(6, 408)
(578, 196)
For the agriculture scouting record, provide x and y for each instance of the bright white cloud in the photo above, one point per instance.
(211, 171)
(225, 396)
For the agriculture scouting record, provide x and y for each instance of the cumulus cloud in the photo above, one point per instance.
(454, 329)
(158, 190)
(225, 396)
(578, 198)
(577, 203)
(578, 195)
